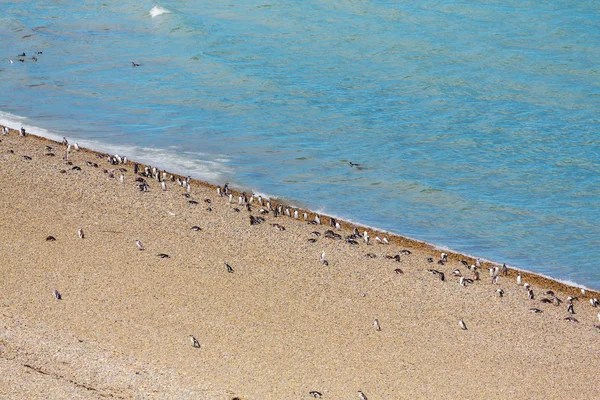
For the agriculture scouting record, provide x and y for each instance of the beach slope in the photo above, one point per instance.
(279, 323)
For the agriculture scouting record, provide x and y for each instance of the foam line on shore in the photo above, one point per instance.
(202, 165)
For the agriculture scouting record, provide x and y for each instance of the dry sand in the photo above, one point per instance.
(281, 325)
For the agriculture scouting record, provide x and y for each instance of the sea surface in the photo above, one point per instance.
(475, 124)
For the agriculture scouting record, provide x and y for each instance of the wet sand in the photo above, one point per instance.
(280, 325)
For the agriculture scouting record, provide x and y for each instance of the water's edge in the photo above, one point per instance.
(535, 278)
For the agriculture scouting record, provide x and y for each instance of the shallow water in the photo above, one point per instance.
(475, 124)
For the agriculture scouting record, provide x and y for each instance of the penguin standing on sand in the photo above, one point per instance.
(195, 342)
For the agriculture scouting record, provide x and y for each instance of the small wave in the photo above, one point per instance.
(156, 11)
(16, 122)
(201, 166)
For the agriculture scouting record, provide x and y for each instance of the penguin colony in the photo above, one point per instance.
(462, 272)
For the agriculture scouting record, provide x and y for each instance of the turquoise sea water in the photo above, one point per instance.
(476, 124)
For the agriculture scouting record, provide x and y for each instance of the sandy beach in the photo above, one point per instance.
(281, 325)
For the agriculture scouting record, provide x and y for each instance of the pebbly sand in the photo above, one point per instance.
(279, 326)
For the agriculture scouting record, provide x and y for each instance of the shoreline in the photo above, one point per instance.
(572, 288)
(280, 309)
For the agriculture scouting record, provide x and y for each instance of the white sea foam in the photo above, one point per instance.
(198, 165)
(16, 122)
(156, 11)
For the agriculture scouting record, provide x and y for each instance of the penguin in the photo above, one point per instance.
(195, 342)
(229, 269)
